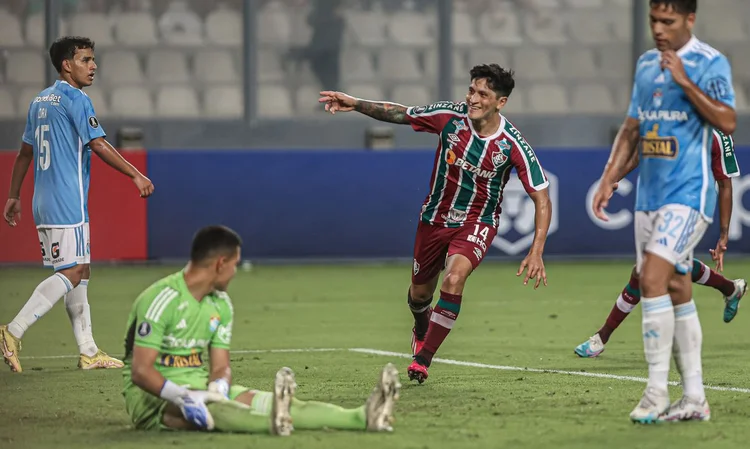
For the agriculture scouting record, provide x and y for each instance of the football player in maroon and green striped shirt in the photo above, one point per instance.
(477, 149)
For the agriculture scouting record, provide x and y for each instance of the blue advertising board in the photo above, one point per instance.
(365, 205)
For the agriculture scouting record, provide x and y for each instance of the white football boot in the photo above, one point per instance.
(283, 392)
(687, 409)
(379, 406)
(653, 404)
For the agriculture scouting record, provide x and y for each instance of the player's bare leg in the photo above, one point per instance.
(444, 315)
(79, 312)
(420, 303)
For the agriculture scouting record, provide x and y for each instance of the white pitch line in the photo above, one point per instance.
(240, 351)
(537, 370)
(442, 360)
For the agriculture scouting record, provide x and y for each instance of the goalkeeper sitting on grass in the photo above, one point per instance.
(186, 316)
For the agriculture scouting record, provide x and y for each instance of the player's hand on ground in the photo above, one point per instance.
(717, 254)
(601, 200)
(337, 101)
(670, 61)
(145, 186)
(534, 266)
(12, 211)
(193, 408)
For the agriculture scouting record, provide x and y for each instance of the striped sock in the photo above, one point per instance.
(441, 322)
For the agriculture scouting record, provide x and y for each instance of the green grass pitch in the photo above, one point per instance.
(339, 307)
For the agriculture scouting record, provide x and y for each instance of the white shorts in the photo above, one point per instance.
(65, 247)
(672, 233)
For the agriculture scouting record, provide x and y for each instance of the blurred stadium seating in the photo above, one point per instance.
(183, 58)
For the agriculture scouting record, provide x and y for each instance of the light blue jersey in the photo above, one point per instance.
(675, 149)
(60, 124)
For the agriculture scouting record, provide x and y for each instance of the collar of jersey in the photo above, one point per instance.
(494, 136)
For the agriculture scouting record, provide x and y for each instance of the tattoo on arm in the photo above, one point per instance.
(386, 112)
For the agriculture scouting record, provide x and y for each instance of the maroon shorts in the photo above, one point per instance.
(434, 243)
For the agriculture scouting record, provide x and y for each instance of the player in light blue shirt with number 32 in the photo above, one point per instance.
(682, 91)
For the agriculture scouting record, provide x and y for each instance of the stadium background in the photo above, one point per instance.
(217, 102)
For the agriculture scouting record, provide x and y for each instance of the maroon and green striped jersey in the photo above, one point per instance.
(470, 171)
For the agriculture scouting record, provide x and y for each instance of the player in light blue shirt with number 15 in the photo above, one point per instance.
(682, 92)
(61, 132)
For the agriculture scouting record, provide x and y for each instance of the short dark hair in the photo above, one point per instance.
(680, 6)
(214, 240)
(498, 79)
(65, 48)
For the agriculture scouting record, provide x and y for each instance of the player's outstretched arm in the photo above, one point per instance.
(114, 159)
(622, 154)
(533, 262)
(12, 209)
(379, 110)
(725, 216)
(221, 374)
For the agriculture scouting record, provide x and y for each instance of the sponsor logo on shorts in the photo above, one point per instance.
(478, 253)
(416, 267)
(477, 240)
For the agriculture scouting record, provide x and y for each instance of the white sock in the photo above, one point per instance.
(46, 294)
(77, 305)
(688, 338)
(658, 333)
(706, 273)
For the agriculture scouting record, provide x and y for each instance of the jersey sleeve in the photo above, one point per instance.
(84, 120)
(433, 118)
(716, 81)
(222, 338)
(527, 166)
(153, 316)
(28, 133)
(723, 159)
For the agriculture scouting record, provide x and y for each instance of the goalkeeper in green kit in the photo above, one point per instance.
(186, 317)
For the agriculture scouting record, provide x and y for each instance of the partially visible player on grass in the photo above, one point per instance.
(185, 317)
(61, 132)
(725, 167)
(477, 149)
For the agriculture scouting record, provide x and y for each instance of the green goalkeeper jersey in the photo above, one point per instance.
(167, 317)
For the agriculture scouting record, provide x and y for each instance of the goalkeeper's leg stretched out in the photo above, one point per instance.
(277, 412)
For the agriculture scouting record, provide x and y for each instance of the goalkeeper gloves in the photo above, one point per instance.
(191, 404)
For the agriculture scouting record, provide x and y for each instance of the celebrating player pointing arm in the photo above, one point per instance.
(61, 132)
(477, 149)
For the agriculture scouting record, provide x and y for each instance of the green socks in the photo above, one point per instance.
(231, 416)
